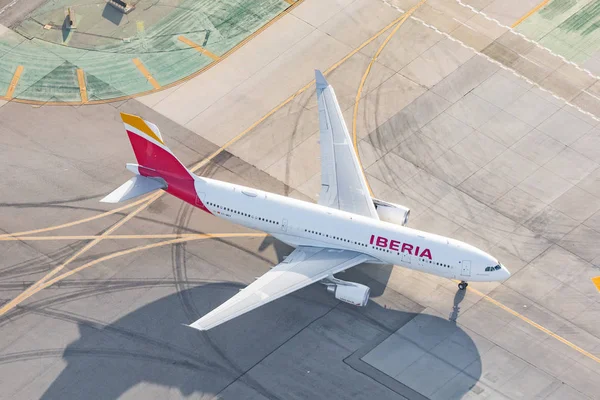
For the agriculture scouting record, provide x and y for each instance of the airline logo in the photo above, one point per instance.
(395, 245)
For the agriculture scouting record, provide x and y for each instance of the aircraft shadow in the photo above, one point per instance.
(151, 345)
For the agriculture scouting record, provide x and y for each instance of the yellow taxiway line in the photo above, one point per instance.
(73, 223)
(33, 288)
(111, 237)
(38, 287)
(199, 48)
(13, 83)
(530, 13)
(82, 86)
(535, 325)
(364, 79)
(140, 65)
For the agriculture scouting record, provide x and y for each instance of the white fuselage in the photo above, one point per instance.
(297, 222)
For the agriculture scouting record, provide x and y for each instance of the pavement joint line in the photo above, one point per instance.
(539, 45)
(199, 48)
(529, 13)
(140, 65)
(150, 199)
(13, 83)
(535, 325)
(82, 86)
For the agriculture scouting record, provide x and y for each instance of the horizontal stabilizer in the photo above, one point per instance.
(136, 186)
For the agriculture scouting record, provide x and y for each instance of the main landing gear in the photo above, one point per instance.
(463, 285)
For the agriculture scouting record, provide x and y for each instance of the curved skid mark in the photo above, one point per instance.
(110, 353)
(42, 283)
(364, 79)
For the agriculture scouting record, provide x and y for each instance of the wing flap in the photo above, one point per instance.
(302, 267)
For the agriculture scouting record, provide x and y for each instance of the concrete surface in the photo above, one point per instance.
(473, 140)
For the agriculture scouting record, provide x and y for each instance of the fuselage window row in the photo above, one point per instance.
(243, 214)
(336, 238)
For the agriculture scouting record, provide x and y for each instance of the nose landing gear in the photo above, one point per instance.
(463, 285)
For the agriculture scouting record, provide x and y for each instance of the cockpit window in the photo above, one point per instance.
(496, 268)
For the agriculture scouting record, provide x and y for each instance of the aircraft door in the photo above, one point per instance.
(406, 258)
(466, 268)
(284, 224)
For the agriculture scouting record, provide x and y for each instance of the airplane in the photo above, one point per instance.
(346, 228)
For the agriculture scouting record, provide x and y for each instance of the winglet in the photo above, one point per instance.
(320, 79)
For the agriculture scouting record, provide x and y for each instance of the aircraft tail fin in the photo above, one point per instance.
(157, 167)
(150, 150)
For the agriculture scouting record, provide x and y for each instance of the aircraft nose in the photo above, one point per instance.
(505, 272)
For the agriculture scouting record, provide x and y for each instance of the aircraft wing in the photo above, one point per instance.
(343, 185)
(304, 266)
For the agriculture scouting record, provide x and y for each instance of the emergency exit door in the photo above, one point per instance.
(466, 268)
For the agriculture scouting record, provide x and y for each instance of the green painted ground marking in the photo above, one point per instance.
(106, 41)
(567, 27)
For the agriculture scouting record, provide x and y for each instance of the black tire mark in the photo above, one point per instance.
(108, 353)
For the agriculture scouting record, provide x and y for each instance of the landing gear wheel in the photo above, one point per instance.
(463, 285)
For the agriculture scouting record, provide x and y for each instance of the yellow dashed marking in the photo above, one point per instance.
(82, 87)
(14, 82)
(199, 48)
(138, 63)
(530, 13)
(596, 282)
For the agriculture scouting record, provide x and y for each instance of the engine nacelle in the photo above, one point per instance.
(350, 292)
(390, 212)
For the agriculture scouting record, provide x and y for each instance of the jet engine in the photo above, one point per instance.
(390, 212)
(348, 292)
